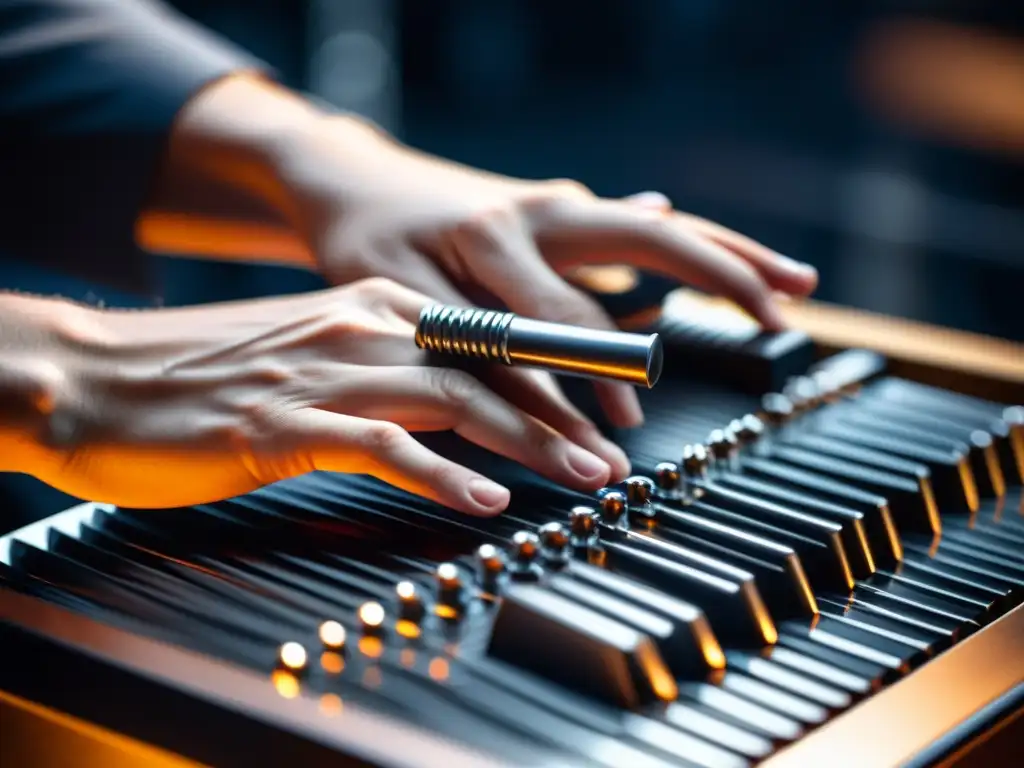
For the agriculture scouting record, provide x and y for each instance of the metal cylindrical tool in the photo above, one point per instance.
(504, 337)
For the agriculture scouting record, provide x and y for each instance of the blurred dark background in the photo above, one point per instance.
(881, 141)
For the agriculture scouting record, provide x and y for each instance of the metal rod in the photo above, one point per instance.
(504, 337)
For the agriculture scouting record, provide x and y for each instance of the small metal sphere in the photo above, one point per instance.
(828, 386)
(613, 507)
(447, 576)
(639, 490)
(751, 429)
(1014, 415)
(803, 393)
(695, 460)
(554, 537)
(777, 409)
(667, 477)
(525, 546)
(583, 523)
(722, 444)
(489, 560)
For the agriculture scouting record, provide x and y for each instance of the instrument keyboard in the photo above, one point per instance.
(780, 562)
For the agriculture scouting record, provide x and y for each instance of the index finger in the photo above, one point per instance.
(610, 231)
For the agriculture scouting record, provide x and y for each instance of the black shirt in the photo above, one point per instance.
(89, 90)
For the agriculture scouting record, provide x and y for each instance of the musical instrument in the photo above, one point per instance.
(820, 560)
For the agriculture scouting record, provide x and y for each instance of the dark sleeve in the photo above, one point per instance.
(88, 92)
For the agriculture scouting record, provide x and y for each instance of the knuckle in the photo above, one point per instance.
(567, 188)
(384, 438)
(487, 228)
(442, 475)
(550, 199)
(455, 387)
(377, 288)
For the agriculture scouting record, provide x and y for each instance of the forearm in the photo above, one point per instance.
(35, 355)
(220, 191)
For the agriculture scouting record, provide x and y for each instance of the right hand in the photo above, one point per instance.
(175, 407)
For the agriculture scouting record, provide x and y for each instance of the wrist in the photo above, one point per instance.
(38, 342)
(238, 159)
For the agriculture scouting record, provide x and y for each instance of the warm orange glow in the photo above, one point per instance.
(407, 658)
(57, 740)
(890, 532)
(371, 615)
(332, 663)
(285, 683)
(862, 541)
(445, 611)
(438, 669)
(957, 82)
(331, 705)
(663, 682)
(407, 629)
(292, 656)
(609, 279)
(708, 643)
(371, 647)
(332, 635)
(163, 232)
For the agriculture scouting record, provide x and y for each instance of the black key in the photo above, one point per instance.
(816, 541)
(938, 633)
(927, 428)
(856, 542)
(931, 601)
(834, 675)
(834, 653)
(1000, 422)
(949, 472)
(898, 657)
(924, 643)
(777, 568)
(679, 655)
(912, 505)
(729, 597)
(552, 636)
(879, 525)
(687, 619)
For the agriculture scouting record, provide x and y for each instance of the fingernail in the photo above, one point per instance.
(585, 464)
(491, 496)
(800, 267)
(650, 200)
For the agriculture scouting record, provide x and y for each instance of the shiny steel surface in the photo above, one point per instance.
(506, 338)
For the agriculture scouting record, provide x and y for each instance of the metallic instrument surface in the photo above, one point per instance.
(818, 563)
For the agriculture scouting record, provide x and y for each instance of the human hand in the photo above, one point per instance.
(358, 204)
(372, 207)
(184, 406)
